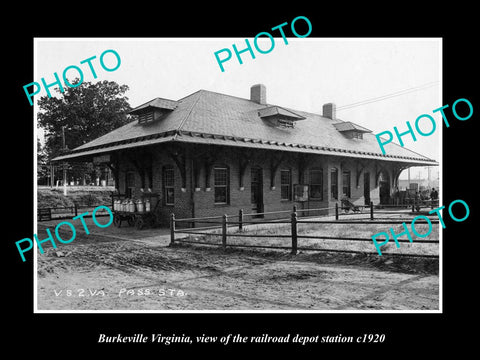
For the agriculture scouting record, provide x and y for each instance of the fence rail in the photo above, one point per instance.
(65, 212)
(224, 223)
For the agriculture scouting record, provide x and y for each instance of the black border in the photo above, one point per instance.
(406, 333)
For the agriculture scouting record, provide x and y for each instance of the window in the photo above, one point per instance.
(316, 184)
(285, 185)
(145, 117)
(169, 185)
(334, 183)
(357, 135)
(220, 183)
(146, 164)
(346, 183)
(130, 184)
(148, 177)
(353, 134)
(301, 192)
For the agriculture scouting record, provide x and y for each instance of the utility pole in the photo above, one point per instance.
(64, 164)
(51, 175)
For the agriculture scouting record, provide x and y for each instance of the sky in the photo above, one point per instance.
(403, 75)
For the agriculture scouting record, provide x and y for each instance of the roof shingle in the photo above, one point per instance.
(236, 121)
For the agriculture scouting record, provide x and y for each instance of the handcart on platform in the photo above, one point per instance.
(138, 213)
(347, 205)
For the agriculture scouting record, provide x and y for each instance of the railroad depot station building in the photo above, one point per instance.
(212, 154)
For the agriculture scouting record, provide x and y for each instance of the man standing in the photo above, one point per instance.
(433, 196)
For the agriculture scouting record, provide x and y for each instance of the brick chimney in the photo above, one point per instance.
(258, 93)
(330, 111)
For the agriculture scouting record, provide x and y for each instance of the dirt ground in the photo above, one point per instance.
(127, 269)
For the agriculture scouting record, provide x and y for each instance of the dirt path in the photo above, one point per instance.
(103, 277)
(117, 270)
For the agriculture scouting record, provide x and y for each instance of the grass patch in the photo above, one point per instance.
(270, 235)
(81, 195)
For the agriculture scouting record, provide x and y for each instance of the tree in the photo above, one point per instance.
(42, 167)
(85, 113)
(79, 115)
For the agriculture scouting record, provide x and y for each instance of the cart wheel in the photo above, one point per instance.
(139, 223)
(152, 221)
(117, 220)
(131, 220)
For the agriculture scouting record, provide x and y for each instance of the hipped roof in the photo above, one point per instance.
(211, 118)
(349, 126)
(158, 103)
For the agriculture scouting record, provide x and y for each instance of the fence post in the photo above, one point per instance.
(224, 231)
(371, 210)
(336, 211)
(172, 229)
(76, 210)
(294, 233)
(240, 220)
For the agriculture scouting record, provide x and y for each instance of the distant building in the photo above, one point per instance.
(210, 154)
(421, 183)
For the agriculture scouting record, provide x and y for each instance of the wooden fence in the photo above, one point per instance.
(221, 225)
(65, 212)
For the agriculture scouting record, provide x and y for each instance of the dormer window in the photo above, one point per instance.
(154, 110)
(351, 130)
(353, 134)
(150, 115)
(145, 117)
(279, 116)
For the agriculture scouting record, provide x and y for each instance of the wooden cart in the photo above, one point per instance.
(136, 218)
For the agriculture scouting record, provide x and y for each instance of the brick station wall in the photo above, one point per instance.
(240, 197)
(199, 202)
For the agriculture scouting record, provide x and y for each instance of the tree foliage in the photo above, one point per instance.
(42, 167)
(86, 112)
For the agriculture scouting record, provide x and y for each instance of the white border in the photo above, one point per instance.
(35, 187)
(35, 109)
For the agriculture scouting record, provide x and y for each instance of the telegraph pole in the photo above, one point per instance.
(64, 164)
